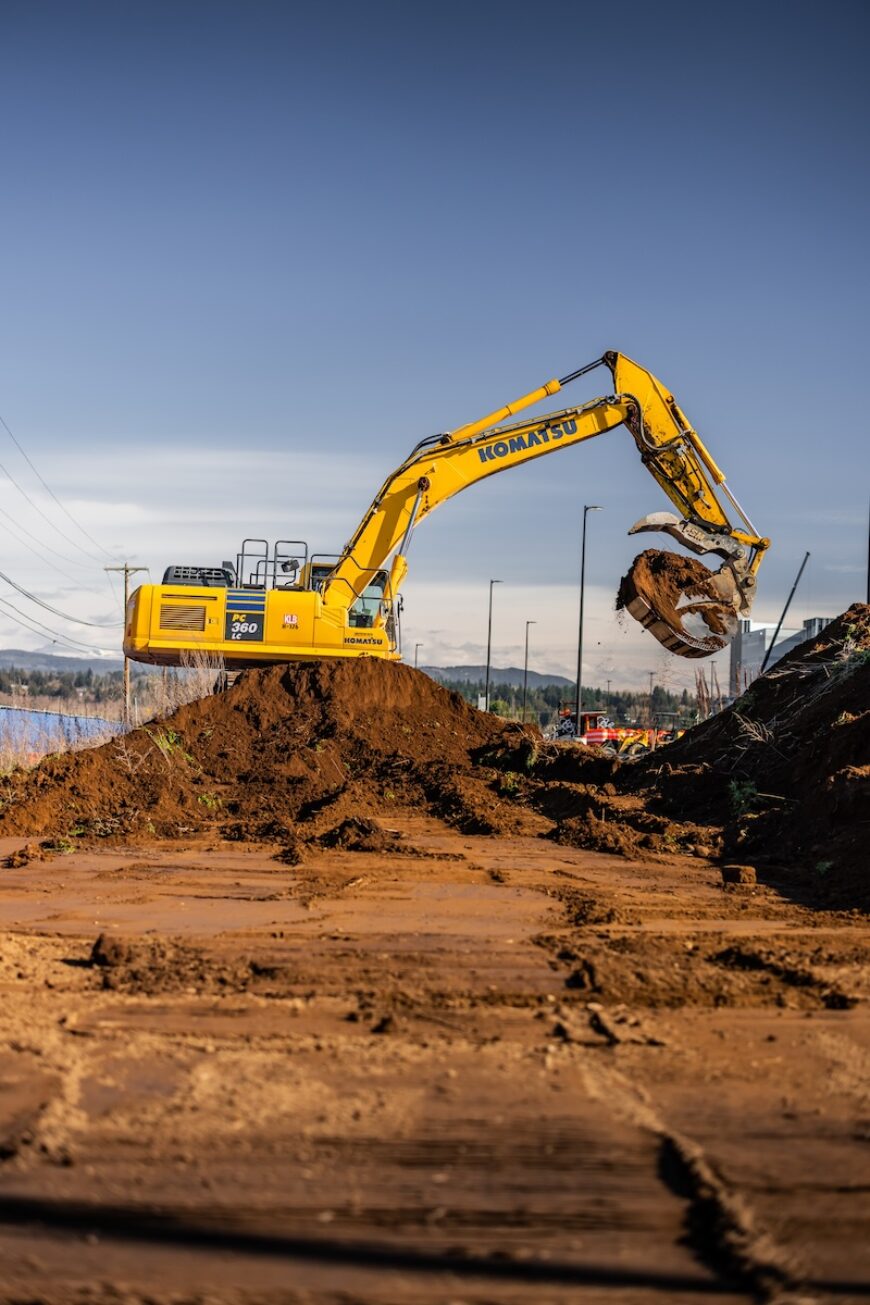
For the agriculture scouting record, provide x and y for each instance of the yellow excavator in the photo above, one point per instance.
(279, 603)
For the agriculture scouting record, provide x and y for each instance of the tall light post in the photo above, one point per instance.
(587, 507)
(489, 645)
(417, 647)
(526, 668)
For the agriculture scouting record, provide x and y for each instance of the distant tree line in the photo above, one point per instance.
(624, 707)
(63, 686)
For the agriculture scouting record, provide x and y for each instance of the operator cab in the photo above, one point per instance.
(288, 565)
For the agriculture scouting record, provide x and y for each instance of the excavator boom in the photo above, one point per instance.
(320, 611)
(670, 449)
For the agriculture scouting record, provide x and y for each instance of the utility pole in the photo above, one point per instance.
(417, 647)
(128, 571)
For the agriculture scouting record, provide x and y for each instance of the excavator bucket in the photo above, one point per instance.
(691, 610)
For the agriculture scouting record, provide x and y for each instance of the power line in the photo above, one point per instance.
(116, 595)
(45, 517)
(36, 627)
(52, 494)
(76, 620)
(58, 570)
(72, 561)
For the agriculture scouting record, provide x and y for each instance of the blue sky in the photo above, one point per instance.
(252, 252)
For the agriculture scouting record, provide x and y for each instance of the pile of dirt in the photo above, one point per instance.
(287, 750)
(318, 754)
(783, 775)
(665, 581)
(360, 835)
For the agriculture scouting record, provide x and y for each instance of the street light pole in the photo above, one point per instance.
(417, 647)
(526, 668)
(489, 645)
(587, 507)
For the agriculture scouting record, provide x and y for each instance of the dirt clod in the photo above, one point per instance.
(738, 874)
(665, 580)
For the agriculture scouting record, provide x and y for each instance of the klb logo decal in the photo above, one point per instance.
(518, 443)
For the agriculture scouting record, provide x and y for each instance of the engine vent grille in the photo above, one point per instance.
(181, 616)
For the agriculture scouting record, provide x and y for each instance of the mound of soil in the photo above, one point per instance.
(784, 773)
(360, 835)
(307, 744)
(665, 580)
(319, 753)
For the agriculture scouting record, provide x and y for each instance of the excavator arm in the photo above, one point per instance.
(670, 448)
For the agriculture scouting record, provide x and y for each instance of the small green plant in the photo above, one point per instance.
(61, 846)
(822, 867)
(209, 800)
(389, 795)
(509, 784)
(743, 796)
(170, 744)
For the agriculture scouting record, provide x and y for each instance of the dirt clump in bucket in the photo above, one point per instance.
(662, 579)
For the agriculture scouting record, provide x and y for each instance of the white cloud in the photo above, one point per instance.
(441, 616)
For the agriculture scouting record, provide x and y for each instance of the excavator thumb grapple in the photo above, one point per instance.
(693, 612)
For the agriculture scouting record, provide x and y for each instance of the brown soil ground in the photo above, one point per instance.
(490, 1069)
(784, 774)
(331, 989)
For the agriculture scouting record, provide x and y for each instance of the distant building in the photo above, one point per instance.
(751, 642)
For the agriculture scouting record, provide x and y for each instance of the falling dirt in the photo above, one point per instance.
(665, 580)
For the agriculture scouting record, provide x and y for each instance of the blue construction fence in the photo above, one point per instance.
(28, 734)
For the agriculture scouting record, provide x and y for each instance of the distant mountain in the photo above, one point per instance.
(24, 659)
(497, 675)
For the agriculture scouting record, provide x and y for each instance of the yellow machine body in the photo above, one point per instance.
(245, 627)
